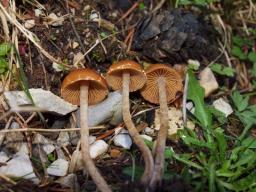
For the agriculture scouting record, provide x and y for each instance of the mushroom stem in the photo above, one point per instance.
(85, 146)
(162, 134)
(146, 153)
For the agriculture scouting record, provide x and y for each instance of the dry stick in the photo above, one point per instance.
(85, 146)
(45, 130)
(162, 134)
(5, 26)
(148, 159)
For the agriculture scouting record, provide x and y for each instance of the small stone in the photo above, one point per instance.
(190, 106)
(223, 106)
(94, 16)
(20, 167)
(58, 168)
(29, 23)
(208, 81)
(194, 63)
(175, 122)
(115, 153)
(98, 148)
(149, 131)
(54, 20)
(147, 137)
(123, 140)
(57, 67)
(44, 100)
(92, 139)
(78, 59)
(63, 139)
(3, 157)
(120, 130)
(38, 12)
(87, 8)
(74, 45)
(48, 147)
(14, 125)
(69, 181)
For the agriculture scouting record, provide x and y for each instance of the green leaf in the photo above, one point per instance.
(137, 174)
(238, 41)
(222, 143)
(141, 6)
(252, 57)
(237, 51)
(253, 70)
(190, 141)
(240, 102)
(4, 49)
(221, 70)
(249, 142)
(246, 183)
(3, 65)
(220, 116)
(196, 94)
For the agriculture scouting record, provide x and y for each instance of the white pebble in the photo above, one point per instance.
(98, 148)
(123, 140)
(208, 81)
(58, 168)
(29, 23)
(223, 106)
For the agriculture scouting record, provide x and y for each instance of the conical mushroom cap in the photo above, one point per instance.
(150, 90)
(70, 87)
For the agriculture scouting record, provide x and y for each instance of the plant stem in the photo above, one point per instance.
(162, 134)
(85, 146)
(146, 153)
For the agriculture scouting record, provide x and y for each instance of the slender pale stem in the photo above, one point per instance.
(162, 134)
(85, 146)
(146, 153)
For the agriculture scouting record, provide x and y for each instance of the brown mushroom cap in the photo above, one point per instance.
(137, 75)
(173, 83)
(70, 88)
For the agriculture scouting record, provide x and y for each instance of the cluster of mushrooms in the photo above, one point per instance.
(158, 84)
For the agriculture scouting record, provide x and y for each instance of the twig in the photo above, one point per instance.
(5, 26)
(47, 130)
(7, 179)
(158, 6)
(134, 6)
(102, 45)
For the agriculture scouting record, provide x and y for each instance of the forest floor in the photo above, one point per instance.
(212, 45)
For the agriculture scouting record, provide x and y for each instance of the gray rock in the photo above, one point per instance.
(108, 110)
(19, 166)
(3, 157)
(47, 144)
(69, 181)
(123, 140)
(58, 168)
(44, 101)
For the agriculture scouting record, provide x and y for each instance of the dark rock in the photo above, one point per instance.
(176, 36)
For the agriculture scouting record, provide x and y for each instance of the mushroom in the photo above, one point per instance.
(163, 83)
(129, 76)
(86, 87)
